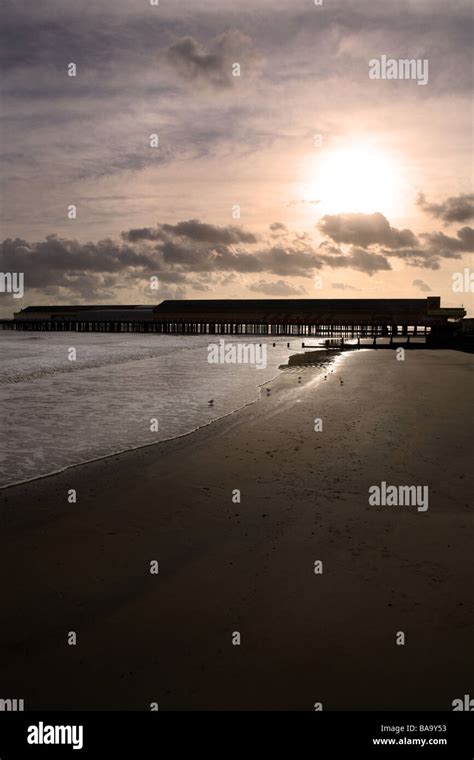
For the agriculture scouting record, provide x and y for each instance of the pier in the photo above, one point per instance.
(348, 318)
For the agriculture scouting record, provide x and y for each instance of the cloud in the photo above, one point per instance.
(422, 286)
(435, 246)
(418, 257)
(192, 255)
(278, 288)
(193, 230)
(365, 230)
(290, 261)
(373, 233)
(169, 70)
(450, 247)
(343, 286)
(456, 209)
(360, 260)
(143, 233)
(209, 233)
(182, 255)
(60, 260)
(212, 66)
(278, 229)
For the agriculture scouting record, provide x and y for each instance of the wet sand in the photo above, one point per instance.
(248, 567)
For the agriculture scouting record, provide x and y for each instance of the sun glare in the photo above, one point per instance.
(357, 179)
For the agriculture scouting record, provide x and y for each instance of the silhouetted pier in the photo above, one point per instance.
(210, 328)
(350, 318)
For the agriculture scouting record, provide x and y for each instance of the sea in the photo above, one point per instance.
(69, 398)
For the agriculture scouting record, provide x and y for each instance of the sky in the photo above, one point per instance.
(235, 149)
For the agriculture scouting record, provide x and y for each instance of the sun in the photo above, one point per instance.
(356, 178)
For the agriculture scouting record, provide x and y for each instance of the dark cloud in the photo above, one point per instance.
(360, 260)
(278, 229)
(209, 233)
(181, 255)
(289, 261)
(212, 65)
(456, 209)
(450, 247)
(422, 286)
(193, 230)
(327, 248)
(373, 233)
(365, 230)
(57, 260)
(143, 233)
(198, 257)
(436, 246)
(185, 255)
(193, 255)
(424, 259)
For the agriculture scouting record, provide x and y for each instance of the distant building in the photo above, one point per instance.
(312, 311)
(86, 313)
(301, 316)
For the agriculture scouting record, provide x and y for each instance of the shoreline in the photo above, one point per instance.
(247, 566)
(118, 452)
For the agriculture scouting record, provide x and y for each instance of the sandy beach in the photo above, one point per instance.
(248, 567)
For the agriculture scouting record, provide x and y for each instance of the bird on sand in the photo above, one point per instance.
(211, 402)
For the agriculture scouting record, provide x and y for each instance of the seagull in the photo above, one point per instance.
(341, 381)
(211, 402)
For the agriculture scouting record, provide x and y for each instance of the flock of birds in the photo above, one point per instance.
(341, 382)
